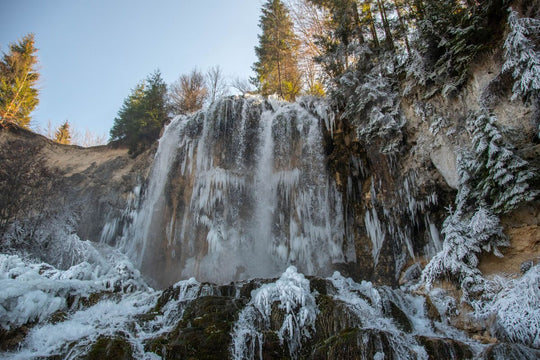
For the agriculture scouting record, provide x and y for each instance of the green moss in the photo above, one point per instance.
(110, 348)
(334, 317)
(203, 332)
(438, 348)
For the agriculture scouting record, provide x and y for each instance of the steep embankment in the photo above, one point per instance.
(397, 199)
(45, 183)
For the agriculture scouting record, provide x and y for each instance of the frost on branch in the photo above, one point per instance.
(464, 240)
(497, 177)
(370, 101)
(294, 299)
(513, 308)
(522, 52)
(491, 180)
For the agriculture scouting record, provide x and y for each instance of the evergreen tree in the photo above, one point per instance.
(450, 35)
(277, 68)
(142, 115)
(63, 134)
(18, 78)
(464, 240)
(500, 178)
(523, 55)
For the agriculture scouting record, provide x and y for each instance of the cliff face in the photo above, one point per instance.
(406, 194)
(243, 190)
(45, 185)
(389, 206)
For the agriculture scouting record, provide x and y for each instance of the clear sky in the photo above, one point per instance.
(93, 52)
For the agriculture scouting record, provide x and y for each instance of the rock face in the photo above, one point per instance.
(250, 186)
(49, 189)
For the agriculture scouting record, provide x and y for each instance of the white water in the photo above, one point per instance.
(254, 197)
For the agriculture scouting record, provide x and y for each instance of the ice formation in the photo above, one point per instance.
(254, 189)
(294, 298)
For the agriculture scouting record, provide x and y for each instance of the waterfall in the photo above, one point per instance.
(237, 191)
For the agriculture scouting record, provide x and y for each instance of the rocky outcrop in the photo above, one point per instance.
(45, 184)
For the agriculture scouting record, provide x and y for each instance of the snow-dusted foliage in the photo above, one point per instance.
(522, 53)
(465, 239)
(498, 178)
(370, 101)
(294, 299)
(34, 291)
(492, 180)
(513, 309)
(49, 237)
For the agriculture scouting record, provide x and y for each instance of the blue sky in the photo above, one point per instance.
(93, 52)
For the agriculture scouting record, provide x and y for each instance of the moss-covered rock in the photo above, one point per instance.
(439, 348)
(354, 344)
(510, 352)
(204, 331)
(334, 317)
(110, 348)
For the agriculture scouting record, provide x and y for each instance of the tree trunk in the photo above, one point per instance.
(387, 31)
(403, 28)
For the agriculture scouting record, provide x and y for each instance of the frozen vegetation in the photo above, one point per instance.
(522, 55)
(245, 191)
(292, 294)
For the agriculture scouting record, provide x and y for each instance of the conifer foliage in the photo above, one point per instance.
(63, 134)
(498, 178)
(522, 52)
(277, 68)
(492, 181)
(143, 114)
(18, 79)
(465, 239)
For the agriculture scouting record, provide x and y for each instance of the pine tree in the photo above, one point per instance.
(500, 178)
(450, 35)
(18, 78)
(464, 239)
(63, 134)
(142, 115)
(523, 55)
(277, 68)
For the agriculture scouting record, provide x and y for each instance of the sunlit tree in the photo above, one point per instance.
(143, 114)
(277, 69)
(63, 134)
(188, 93)
(18, 80)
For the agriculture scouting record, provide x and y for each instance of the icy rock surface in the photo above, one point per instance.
(292, 294)
(240, 190)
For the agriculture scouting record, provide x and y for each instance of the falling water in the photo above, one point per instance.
(237, 191)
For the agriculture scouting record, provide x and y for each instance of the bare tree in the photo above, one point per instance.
(89, 138)
(217, 87)
(243, 86)
(188, 93)
(309, 22)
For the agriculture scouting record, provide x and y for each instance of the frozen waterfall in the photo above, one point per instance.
(237, 191)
